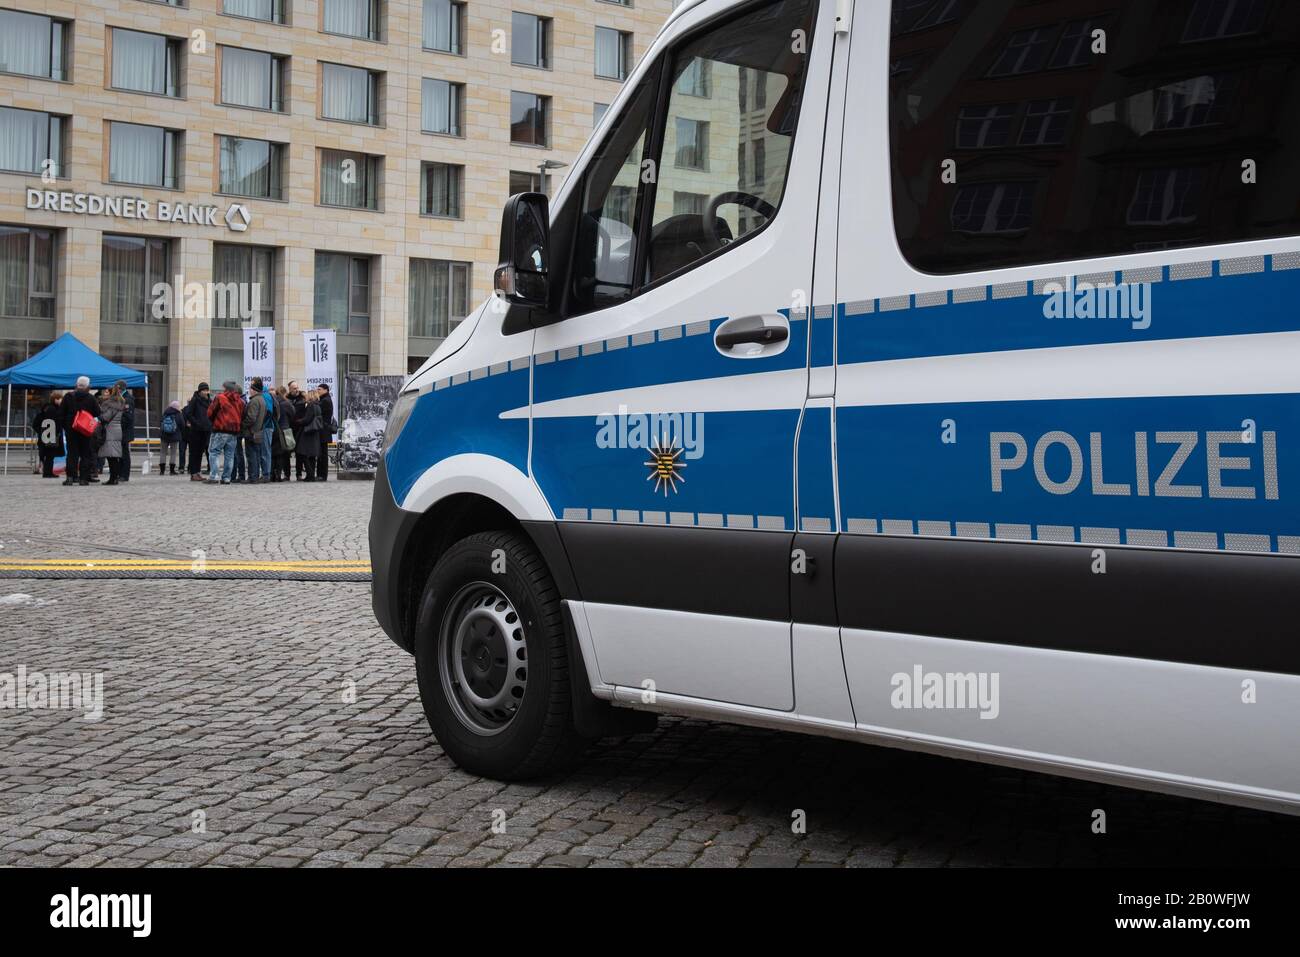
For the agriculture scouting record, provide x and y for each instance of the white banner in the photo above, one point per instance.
(322, 365)
(259, 356)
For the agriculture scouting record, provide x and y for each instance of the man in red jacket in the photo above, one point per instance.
(226, 413)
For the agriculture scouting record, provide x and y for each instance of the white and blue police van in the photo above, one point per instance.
(925, 375)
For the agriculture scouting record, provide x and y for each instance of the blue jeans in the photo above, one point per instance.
(258, 457)
(221, 449)
(268, 438)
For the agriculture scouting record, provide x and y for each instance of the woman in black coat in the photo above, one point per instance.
(48, 426)
(309, 428)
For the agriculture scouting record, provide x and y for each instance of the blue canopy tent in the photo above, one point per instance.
(58, 366)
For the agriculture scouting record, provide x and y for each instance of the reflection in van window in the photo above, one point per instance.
(1079, 129)
(727, 139)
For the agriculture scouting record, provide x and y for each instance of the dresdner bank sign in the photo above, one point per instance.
(237, 217)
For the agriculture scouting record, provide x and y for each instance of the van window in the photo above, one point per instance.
(1079, 130)
(606, 247)
(733, 105)
(696, 160)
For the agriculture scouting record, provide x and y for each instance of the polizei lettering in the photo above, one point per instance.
(1171, 464)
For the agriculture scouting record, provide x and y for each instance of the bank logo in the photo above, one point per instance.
(239, 217)
(665, 466)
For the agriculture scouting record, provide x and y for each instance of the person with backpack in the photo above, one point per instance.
(171, 442)
(200, 429)
(257, 443)
(48, 426)
(81, 448)
(226, 414)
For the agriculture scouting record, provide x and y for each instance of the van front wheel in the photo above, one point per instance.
(490, 657)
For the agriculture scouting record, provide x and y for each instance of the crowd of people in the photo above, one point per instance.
(264, 435)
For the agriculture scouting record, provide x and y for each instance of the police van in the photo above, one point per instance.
(924, 375)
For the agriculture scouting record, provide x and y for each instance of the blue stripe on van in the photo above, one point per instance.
(1220, 305)
(673, 357)
(454, 421)
(746, 468)
(895, 469)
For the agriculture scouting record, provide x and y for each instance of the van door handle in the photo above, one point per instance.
(749, 337)
(765, 335)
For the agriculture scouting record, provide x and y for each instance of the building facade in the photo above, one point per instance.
(294, 164)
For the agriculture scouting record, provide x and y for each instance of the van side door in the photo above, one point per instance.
(666, 401)
(1067, 398)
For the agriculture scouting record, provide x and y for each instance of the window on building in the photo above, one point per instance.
(694, 81)
(444, 26)
(350, 180)
(598, 111)
(342, 301)
(146, 63)
(613, 53)
(522, 182)
(441, 189)
(439, 297)
(984, 127)
(1164, 197)
(1024, 52)
(252, 78)
(528, 118)
(1074, 48)
(1145, 151)
(692, 139)
(1047, 122)
(1220, 19)
(348, 364)
(31, 142)
(272, 11)
(27, 273)
(34, 45)
(441, 107)
(993, 208)
(244, 286)
(133, 269)
(530, 40)
(692, 204)
(351, 18)
(1197, 101)
(144, 155)
(253, 168)
(349, 93)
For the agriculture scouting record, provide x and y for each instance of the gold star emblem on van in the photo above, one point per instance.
(665, 466)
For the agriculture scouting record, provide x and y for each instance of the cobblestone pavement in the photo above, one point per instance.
(169, 517)
(226, 708)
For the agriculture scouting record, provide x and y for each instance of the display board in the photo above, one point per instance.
(367, 402)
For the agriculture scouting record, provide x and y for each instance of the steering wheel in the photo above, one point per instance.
(758, 205)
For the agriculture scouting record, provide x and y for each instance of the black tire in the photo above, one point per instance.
(538, 736)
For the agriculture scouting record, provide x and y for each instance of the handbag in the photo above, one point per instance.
(83, 423)
(287, 441)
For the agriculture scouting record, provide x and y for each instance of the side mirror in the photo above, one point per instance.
(521, 277)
